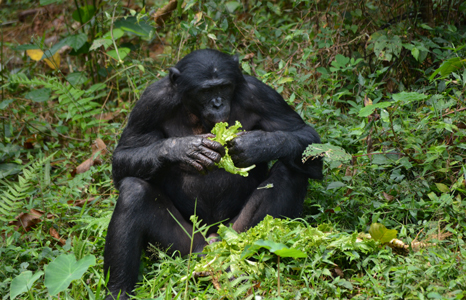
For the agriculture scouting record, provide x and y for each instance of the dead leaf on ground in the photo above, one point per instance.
(54, 233)
(388, 197)
(367, 101)
(81, 202)
(339, 272)
(98, 148)
(107, 116)
(28, 220)
(248, 56)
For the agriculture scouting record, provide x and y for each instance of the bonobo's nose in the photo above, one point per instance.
(216, 102)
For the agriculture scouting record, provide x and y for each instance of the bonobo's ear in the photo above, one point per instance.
(174, 74)
(236, 58)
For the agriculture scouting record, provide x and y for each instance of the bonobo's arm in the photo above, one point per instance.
(281, 134)
(143, 150)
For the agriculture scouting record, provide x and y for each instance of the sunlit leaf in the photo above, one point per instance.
(277, 248)
(449, 66)
(368, 110)
(35, 54)
(54, 61)
(442, 187)
(101, 42)
(380, 233)
(223, 135)
(122, 52)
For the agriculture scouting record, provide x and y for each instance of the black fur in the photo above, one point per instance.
(165, 162)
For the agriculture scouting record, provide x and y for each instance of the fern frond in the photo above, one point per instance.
(14, 194)
(97, 224)
(69, 97)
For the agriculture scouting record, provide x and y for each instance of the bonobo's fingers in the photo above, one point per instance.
(247, 148)
(204, 160)
(196, 165)
(212, 155)
(216, 146)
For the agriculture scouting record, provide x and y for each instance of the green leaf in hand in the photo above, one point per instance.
(223, 135)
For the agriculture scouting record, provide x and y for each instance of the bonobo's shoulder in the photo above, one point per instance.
(158, 91)
(261, 90)
(251, 80)
(157, 101)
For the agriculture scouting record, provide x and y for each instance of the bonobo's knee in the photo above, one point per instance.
(133, 193)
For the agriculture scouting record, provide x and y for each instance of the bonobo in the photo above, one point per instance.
(165, 162)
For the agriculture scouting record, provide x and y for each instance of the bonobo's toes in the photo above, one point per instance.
(213, 238)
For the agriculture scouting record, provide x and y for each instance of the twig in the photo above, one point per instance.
(455, 111)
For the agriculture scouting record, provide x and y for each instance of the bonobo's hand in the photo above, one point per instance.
(197, 151)
(251, 147)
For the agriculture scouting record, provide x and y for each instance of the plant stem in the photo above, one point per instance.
(278, 279)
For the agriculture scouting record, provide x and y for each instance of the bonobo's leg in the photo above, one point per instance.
(284, 199)
(141, 217)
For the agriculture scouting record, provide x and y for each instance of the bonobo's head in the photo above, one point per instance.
(206, 80)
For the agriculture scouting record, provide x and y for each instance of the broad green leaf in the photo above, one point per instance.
(23, 283)
(408, 97)
(228, 234)
(280, 249)
(84, 13)
(341, 60)
(39, 95)
(442, 187)
(330, 152)
(132, 25)
(101, 42)
(380, 233)
(64, 269)
(385, 47)
(232, 6)
(415, 53)
(123, 52)
(9, 169)
(285, 80)
(117, 33)
(4, 104)
(76, 41)
(335, 185)
(368, 110)
(449, 66)
(290, 252)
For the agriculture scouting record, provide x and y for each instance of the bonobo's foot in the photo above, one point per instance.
(213, 238)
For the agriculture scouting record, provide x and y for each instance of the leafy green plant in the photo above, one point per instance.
(223, 135)
(15, 195)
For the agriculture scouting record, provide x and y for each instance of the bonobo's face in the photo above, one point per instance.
(211, 102)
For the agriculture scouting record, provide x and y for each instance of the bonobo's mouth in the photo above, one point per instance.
(209, 120)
